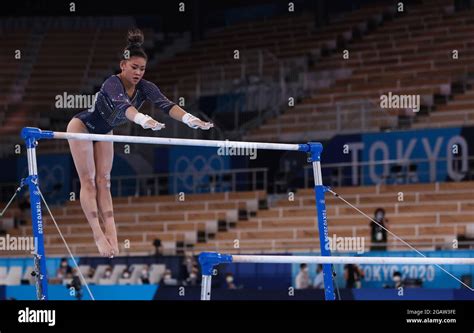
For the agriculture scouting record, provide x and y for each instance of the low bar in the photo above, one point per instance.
(209, 260)
(351, 260)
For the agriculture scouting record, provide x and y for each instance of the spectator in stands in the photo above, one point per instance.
(397, 279)
(193, 277)
(64, 270)
(126, 273)
(319, 279)
(145, 275)
(302, 280)
(76, 284)
(353, 276)
(168, 279)
(229, 281)
(378, 233)
(188, 263)
(117, 102)
(107, 272)
(91, 272)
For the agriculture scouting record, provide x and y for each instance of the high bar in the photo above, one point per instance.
(36, 133)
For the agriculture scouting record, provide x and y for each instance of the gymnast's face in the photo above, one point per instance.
(133, 69)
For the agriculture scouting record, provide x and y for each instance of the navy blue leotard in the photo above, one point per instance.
(112, 101)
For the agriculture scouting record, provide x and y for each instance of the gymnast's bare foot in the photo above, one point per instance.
(111, 235)
(113, 242)
(105, 249)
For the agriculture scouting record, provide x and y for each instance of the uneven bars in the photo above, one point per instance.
(42, 134)
(32, 135)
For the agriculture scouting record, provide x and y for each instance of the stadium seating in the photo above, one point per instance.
(430, 216)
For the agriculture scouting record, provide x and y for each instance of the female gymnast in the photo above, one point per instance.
(117, 102)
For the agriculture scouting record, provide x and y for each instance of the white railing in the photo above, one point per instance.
(396, 171)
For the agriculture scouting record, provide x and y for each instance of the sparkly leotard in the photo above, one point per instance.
(112, 101)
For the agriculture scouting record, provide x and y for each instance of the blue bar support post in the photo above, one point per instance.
(208, 260)
(315, 158)
(32, 180)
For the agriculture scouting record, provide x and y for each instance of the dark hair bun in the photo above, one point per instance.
(135, 37)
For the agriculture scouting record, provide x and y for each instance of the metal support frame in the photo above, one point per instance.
(40, 272)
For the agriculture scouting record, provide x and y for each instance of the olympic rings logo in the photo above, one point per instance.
(192, 172)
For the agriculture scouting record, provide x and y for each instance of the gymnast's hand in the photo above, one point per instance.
(147, 122)
(154, 125)
(195, 122)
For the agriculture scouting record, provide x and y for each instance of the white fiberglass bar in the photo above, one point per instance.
(350, 260)
(209, 260)
(179, 142)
